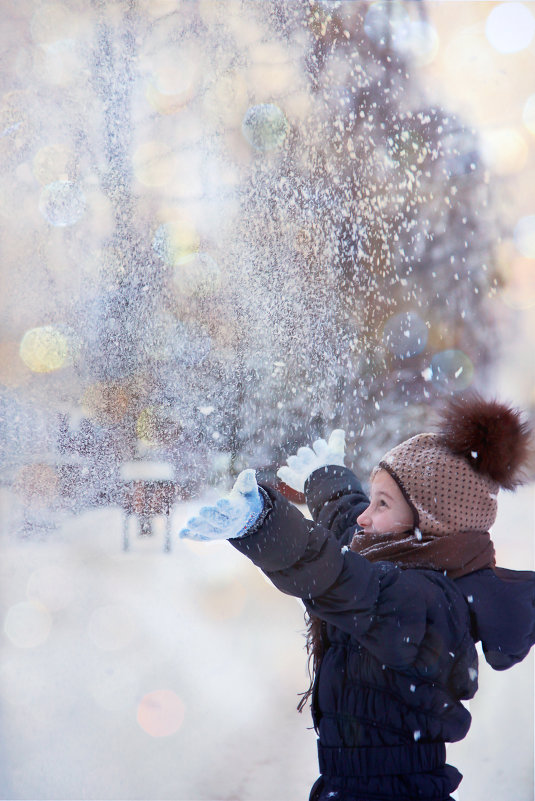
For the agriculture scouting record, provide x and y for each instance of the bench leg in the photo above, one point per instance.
(167, 544)
(126, 521)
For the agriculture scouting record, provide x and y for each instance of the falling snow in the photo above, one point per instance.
(185, 240)
(227, 228)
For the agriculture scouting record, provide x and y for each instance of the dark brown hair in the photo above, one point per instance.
(315, 650)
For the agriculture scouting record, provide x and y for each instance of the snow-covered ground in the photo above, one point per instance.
(146, 675)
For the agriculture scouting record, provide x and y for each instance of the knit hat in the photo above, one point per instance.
(451, 479)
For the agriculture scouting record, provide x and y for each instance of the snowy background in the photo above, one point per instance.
(175, 278)
(175, 676)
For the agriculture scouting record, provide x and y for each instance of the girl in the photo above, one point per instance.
(398, 587)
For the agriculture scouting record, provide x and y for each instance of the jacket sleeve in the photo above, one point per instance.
(502, 611)
(383, 607)
(335, 498)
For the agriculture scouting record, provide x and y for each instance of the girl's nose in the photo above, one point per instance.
(362, 519)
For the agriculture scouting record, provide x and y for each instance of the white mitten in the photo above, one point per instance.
(322, 453)
(231, 516)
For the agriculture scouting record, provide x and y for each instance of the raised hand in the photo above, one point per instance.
(231, 516)
(322, 453)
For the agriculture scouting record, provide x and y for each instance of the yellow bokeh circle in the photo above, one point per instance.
(44, 349)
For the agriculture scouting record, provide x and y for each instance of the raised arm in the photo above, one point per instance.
(378, 604)
(301, 557)
(334, 495)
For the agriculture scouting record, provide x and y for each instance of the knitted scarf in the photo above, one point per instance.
(453, 554)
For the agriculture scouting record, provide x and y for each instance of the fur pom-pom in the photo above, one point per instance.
(492, 436)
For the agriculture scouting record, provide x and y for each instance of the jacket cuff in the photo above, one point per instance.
(267, 506)
(329, 483)
(279, 539)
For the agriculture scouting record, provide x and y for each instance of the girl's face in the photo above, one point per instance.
(388, 512)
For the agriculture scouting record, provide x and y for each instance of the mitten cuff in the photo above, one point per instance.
(253, 526)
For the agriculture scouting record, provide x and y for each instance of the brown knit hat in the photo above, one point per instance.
(451, 479)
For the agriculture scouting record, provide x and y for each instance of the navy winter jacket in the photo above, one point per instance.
(400, 644)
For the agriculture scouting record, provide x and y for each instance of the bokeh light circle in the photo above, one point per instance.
(27, 624)
(37, 484)
(52, 22)
(510, 27)
(452, 370)
(58, 62)
(160, 713)
(162, 103)
(419, 41)
(62, 203)
(405, 334)
(524, 236)
(44, 349)
(519, 291)
(175, 73)
(505, 150)
(265, 127)
(175, 240)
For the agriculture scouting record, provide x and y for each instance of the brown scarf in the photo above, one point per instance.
(453, 554)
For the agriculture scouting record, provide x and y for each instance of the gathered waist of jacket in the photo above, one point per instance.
(388, 760)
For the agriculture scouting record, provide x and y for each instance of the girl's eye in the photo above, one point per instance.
(382, 503)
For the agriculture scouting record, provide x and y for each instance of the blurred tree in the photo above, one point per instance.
(246, 226)
(378, 211)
